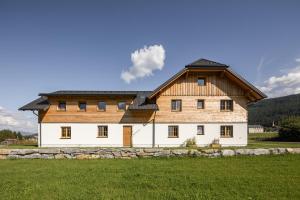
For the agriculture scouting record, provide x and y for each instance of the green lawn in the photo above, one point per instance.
(269, 140)
(18, 146)
(255, 140)
(261, 177)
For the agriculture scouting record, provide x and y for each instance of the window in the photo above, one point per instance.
(66, 132)
(102, 131)
(176, 105)
(226, 131)
(200, 130)
(101, 106)
(201, 81)
(226, 105)
(200, 104)
(62, 106)
(82, 106)
(173, 132)
(122, 106)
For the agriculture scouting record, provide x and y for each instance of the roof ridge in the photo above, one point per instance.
(203, 62)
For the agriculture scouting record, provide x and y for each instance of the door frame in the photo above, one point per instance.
(127, 126)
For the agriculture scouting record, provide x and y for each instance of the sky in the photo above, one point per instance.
(136, 45)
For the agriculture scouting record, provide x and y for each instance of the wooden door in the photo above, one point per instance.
(127, 136)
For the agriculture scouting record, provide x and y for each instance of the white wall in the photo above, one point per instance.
(211, 132)
(85, 134)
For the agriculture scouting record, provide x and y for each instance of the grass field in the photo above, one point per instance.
(261, 177)
(255, 140)
(269, 140)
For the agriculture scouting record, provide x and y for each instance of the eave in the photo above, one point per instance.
(251, 92)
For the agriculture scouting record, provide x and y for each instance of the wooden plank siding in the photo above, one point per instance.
(92, 115)
(216, 85)
(186, 88)
(211, 112)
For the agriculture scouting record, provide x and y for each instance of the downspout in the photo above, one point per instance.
(153, 130)
(40, 129)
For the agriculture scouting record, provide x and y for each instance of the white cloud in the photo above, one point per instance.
(17, 121)
(144, 62)
(286, 84)
(258, 68)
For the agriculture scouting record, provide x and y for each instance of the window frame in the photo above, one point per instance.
(203, 133)
(227, 128)
(118, 108)
(82, 102)
(58, 106)
(98, 108)
(180, 107)
(225, 107)
(203, 104)
(175, 127)
(65, 131)
(204, 81)
(104, 131)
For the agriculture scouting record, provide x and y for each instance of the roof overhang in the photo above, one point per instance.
(37, 104)
(92, 93)
(253, 93)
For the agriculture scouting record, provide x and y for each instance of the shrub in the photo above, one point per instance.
(190, 142)
(290, 128)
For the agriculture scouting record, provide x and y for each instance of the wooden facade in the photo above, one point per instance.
(216, 85)
(92, 114)
(185, 88)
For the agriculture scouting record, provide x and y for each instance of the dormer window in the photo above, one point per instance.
(82, 106)
(102, 106)
(62, 106)
(121, 106)
(201, 81)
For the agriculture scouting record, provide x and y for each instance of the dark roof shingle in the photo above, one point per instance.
(205, 63)
(140, 102)
(37, 104)
(89, 93)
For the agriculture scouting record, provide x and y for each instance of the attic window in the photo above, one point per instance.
(101, 106)
(201, 81)
(82, 106)
(61, 106)
(121, 106)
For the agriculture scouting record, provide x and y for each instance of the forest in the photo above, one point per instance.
(271, 110)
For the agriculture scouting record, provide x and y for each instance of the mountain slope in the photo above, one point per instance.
(266, 111)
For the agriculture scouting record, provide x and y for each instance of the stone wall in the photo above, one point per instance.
(128, 153)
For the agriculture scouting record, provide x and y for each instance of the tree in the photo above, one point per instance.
(290, 128)
(19, 136)
(7, 134)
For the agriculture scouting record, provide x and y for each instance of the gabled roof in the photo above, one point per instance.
(38, 104)
(143, 99)
(205, 63)
(208, 65)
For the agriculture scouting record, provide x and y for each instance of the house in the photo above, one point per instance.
(255, 129)
(206, 100)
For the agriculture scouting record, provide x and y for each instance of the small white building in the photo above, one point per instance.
(255, 129)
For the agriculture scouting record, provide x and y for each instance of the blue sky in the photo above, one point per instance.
(86, 45)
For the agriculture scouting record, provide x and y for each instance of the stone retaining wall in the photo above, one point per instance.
(128, 153)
